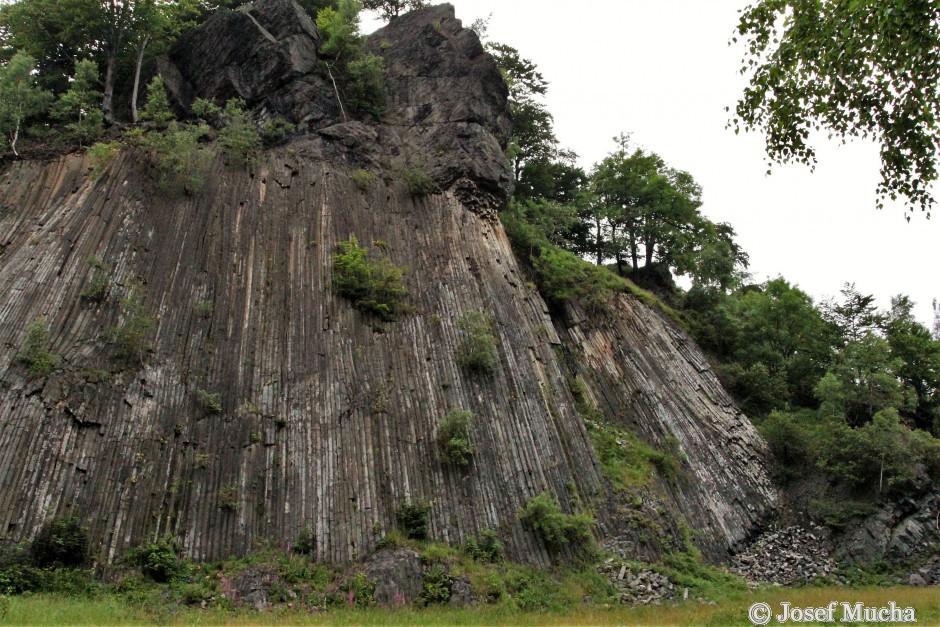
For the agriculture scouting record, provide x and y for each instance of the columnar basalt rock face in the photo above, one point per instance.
(328, 417)
(647, 375)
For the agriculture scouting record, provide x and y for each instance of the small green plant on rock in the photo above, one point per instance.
(97, 288)
(476, 349)
(100, 154)
(209, 402)
(417, 179)
(306, 543)
(130, 339)
(486, 548)
(557, 529)
(239, 137)
(228, 497)
(453, 437)
(436, 588)
(39, 361)
(413, 519)
(362, 177)
(372, 283)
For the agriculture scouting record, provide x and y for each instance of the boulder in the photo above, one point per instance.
(398, 576)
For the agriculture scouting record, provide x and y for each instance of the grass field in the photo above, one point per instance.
(43, 609)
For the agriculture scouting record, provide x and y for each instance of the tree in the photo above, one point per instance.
(533, 137)
(80, 102)
(867, 377)
(917, 355)
(356, 75)
(20, 96)
(854, 68)
(855, 316)
(781, 328)
(389, 9)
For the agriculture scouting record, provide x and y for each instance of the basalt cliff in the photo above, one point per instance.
(327, 417)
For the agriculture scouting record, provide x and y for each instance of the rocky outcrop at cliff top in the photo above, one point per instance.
(327, 417)
(447, 101)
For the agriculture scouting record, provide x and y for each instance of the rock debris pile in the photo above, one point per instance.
(640, 586)
(784, 557)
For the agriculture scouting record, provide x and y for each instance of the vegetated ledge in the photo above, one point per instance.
(262, 403)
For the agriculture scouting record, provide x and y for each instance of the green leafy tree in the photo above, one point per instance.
(917, 355)
(533, 135)
(781, 329)
(157, 108)
(356, 77)
(853, 68)
(78, 106)
(20, 96)
(239, 137)
(389, 9)
(855, 315)
(868, 383)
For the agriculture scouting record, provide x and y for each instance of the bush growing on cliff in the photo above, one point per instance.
(476, 349)
(178, 156)
(412, 518)
(417, 179)
(453, 437)
(239, 138)
(159, 560)
(130, 338)
(371, 282)
(543, 514)
(60, 542)
(39, 361)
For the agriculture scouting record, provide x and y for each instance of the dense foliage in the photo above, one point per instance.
(372, 282)
(868, 69)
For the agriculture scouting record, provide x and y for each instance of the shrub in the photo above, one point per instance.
(239, 138)
(476, 349)
(436, 588)
(362, 177)
(97, 288)
(209, 402)
(417, 179)
(372, 283)
(306, 542)
(205, 110)
(275, 131)
(60, 542)
(178, 157)
(413, 519)
(101, 154)
(34, 353)
(130, 339)
(453, 437)
(159, 560)
(486, 548)
(228, 497)
(543, 514)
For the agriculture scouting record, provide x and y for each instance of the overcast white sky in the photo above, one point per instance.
(663, 71)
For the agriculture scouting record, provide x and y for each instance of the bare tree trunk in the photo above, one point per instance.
(597, 239)
(329, 70)
(107, 102)
(16, 135)
(140, 62)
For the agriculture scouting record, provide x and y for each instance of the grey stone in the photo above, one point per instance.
(397, 575)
